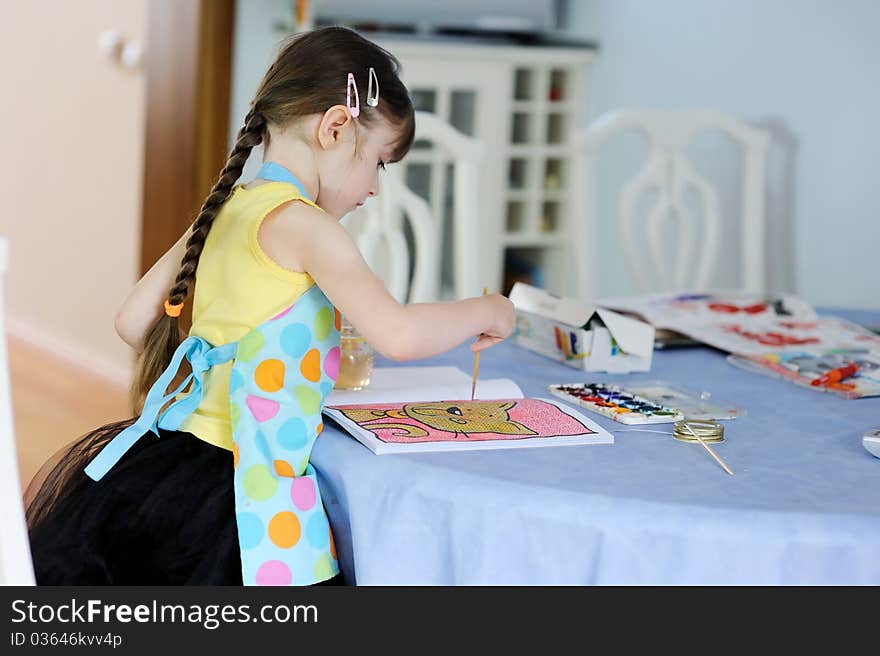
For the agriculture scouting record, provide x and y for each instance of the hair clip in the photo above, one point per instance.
(356, 108)
(373, 95)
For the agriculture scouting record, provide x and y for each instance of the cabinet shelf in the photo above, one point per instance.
(535, 106)
(532, 239)
(521, 195)
(539, 150)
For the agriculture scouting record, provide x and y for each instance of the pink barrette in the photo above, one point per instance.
(356, 108)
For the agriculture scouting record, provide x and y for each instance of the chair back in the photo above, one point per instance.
(401, 232)
(669, 174)
(16, 567)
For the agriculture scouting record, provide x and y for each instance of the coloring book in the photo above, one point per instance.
(417, 409)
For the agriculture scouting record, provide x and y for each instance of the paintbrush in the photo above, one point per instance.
(708, 448)
(476, 363)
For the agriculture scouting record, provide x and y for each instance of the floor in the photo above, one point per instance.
(50, 411)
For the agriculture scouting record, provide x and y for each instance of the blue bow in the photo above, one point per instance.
(202, 356)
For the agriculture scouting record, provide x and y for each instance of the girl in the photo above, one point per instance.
(226, 494)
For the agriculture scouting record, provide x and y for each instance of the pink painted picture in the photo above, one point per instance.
(479, 424)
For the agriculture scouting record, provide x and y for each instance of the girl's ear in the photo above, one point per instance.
(334, 126)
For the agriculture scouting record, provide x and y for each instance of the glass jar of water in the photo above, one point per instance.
(356, 362)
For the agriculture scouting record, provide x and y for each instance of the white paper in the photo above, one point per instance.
(418, 384)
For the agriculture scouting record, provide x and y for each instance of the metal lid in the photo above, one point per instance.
(709, 430)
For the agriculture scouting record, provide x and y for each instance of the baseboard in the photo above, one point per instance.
(69, 352)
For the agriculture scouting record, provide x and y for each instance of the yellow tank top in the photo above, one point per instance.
(237, 289)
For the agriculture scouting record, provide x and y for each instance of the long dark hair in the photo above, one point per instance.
(308, 76)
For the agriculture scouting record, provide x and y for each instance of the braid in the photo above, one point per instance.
(164, 337)
(250, 135)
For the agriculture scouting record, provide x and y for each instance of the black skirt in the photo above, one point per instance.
(163, 515)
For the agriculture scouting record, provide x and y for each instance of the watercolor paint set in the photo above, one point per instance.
(654, 402)
(703, 406)
(617, 403)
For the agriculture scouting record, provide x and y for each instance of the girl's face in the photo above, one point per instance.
(350, 163)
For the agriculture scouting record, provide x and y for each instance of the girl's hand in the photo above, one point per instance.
(502, 322)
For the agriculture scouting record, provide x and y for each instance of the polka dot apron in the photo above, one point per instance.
(282, 372)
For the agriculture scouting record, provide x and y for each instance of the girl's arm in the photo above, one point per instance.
(399, 332)
(145, 303)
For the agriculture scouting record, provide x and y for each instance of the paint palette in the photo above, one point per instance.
(617, 403)
(691, 405)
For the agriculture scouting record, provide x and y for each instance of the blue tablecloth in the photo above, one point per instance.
(802, 508)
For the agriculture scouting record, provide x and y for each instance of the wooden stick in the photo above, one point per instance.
(476, 363)
(711, 452)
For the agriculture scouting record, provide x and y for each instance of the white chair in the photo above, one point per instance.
(16, 567)
(379, 227)
(668, 172)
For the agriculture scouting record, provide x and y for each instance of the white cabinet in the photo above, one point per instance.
(523, 102)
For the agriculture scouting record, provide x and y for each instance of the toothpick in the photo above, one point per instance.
(711, 452)
(476, 363)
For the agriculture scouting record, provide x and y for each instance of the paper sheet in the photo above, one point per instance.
(410, 384)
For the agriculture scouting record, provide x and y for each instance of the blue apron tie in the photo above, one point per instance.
(202, 356)
(277, 173)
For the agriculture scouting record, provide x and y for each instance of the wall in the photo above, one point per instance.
(809, 70)
(71, 183)
(255, 45)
